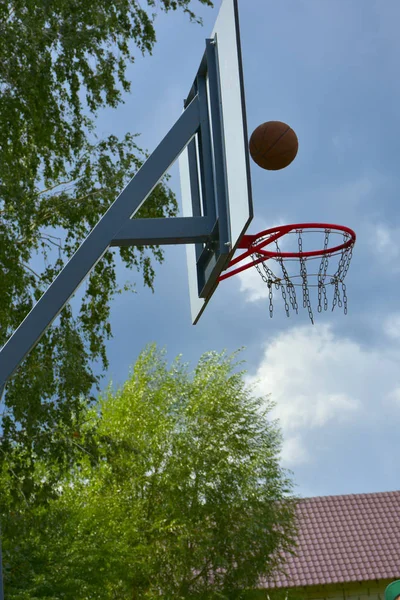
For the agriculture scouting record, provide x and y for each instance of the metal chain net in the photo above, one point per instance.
(288, 281)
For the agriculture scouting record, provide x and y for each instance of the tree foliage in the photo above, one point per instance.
(184, 497)
(61, 62)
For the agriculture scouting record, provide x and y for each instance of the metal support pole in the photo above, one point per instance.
(97, 242)
(157, 232)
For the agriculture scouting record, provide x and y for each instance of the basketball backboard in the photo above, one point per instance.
(214, 168)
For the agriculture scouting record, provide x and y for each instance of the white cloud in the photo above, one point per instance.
(323, 382)
(385, 245)
(395, 396)
(294, 452)
(252, 285)
(386, 241)
(391, 326)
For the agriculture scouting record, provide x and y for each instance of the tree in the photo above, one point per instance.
(186, 498)
(61, 62)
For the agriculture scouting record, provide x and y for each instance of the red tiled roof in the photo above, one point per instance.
(341, 539)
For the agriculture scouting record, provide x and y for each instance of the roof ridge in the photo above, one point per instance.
(349, 495)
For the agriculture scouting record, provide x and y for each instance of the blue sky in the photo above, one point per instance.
(329, 69)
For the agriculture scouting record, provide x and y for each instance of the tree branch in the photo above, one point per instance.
(52, 240)
(16, 477)
(31, 270)
(55, 186)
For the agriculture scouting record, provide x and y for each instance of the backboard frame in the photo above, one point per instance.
(219, 184)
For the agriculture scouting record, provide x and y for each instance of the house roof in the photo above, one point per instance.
(350, 538)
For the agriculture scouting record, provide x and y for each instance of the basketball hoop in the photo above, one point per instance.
(294, 261)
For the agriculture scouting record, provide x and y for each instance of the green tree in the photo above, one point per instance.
(61, 62)
(186, 497)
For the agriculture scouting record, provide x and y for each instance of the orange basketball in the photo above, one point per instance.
(273, 145)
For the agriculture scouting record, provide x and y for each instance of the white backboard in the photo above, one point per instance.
(235, 141)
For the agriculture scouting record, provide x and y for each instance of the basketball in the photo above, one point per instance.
(273, 145)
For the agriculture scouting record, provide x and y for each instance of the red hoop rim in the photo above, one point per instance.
(253, 246)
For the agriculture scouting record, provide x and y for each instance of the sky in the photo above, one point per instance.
(329, 70)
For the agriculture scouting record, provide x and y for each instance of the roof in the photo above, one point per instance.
(350, 538)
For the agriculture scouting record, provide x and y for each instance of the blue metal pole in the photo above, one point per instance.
(97, 242)
(159, 232)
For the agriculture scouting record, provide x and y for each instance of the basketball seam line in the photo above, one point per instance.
(276, 141)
